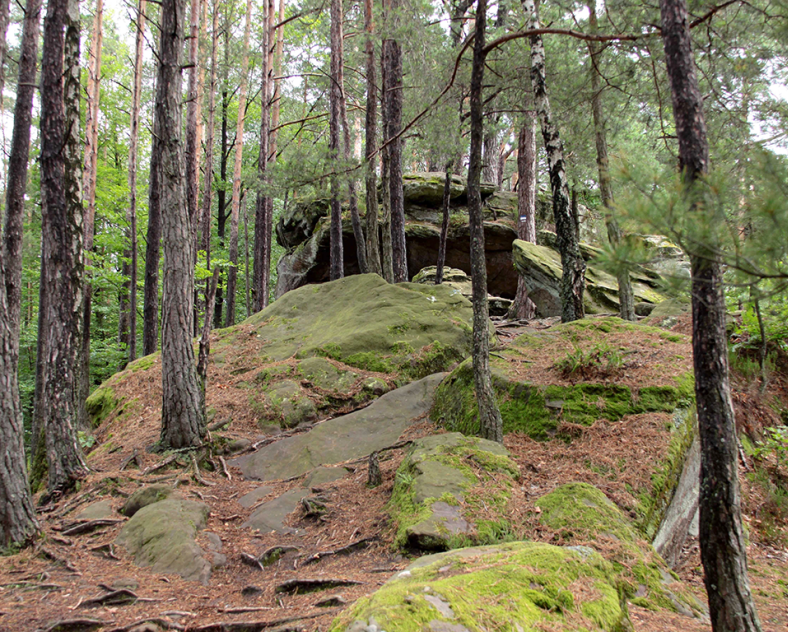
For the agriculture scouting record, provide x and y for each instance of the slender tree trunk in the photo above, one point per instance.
(183, 420)
(490, 148)
(150, 313)
(205, 214)
(247, 284)
(61, 245)
(387, 258)
(4, 14)
(192, 101)
(232, 272)
(392, 113)
(355, 220)
(89, 192)
(626, 297)
(522, 306)
(17, 516)
(490, 423)
(335, 96)
(132, 213)
(370, 142)
(277, 72)
(722, 545)
(446, 207)
(261, 254)
(573, 280)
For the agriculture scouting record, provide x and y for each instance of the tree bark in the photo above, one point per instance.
(337, 270)
(205, 214)
(446, 209)
(131, 217)
(370, 146)
(522, 306)
(387, 256)
(232, 272)
(17, 516)
(263, 216)
(183, 420)
(392, 114)
(61, 245)
(490, 422)
(573, 279)
(150, 312)
(722, 545)
(626, 297)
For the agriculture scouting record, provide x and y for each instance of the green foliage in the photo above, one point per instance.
(776, 442)
(600, 360)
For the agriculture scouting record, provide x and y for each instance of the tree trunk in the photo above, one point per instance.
(205, 214)
(150, 311)
(722, 544)
(131, 217)
(490, 423)
(61, 244)
(625, 295)
(335, 95)
(89, 196)
(232, 271)
(355, 220)
(183, 420)
(573, 280)
(261, 253)
(446, 206)
(387, 257)
(17, 516)
(277, 71)
(392, 114)
(522, 306)
(370, 147)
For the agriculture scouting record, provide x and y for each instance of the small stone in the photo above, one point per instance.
(125, 583)
(145, 496)
(218, 560)
(101, 510)
(214, 542)
(330, 602)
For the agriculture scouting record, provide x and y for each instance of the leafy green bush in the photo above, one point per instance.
(599, 360)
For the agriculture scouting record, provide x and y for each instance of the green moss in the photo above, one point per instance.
(523, 585)
(369, 361)
(100, 404)
(144, 363)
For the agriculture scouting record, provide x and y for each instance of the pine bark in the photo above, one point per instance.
(150, 310)
(131, 216)
(205, 213)
(392, 114)
(61, 246)
(263, 215)
(183, 419)
(337, 270)
(522, 306)
(370, 143)
(235, 210)
(17, 517)
(722, 545)
(626, 297)
(444, 235)
(387, 256)
(573, 279)
(490, 422)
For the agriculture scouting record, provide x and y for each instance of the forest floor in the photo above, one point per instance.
(56, 579)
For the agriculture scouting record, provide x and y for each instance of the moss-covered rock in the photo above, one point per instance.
(536, 409)
(162, 535)
(438, 488)
(100, 403)
(145, 496)
(540, 267)
(581, 514)
(515, 586)
(288, 404)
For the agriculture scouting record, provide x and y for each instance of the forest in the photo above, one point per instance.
(157, 153)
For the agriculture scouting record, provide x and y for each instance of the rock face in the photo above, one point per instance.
(304, 231)
(436, 493)
(161, 535)
(540, 266)
(458, 280)
(355, 435)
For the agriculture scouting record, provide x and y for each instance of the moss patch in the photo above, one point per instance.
(100, 404)
(523, 585)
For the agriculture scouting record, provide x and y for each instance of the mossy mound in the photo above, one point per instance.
(438, 491)
(534, 403)
(100, 404)
(515, 586)
(581, 514)
(541, 268)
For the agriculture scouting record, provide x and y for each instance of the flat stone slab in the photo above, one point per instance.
(271, 515)
(161, 535)
(101, 510)
(254, 496)
(351, 436)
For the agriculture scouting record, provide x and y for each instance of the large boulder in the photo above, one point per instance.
(540, 267)
(304, 231)
(162, 536)
(438, 495)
